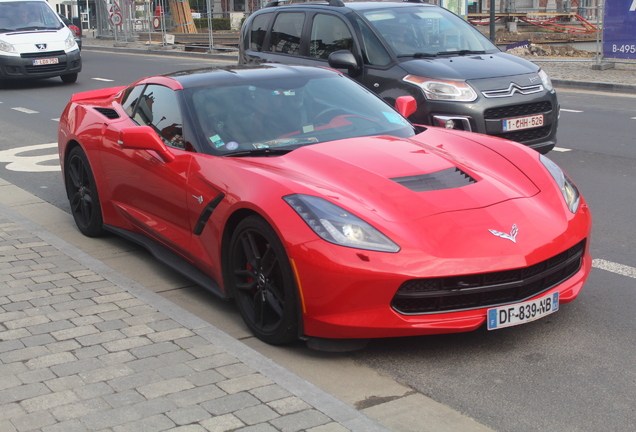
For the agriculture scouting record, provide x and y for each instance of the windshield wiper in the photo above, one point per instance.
(460, 52)
(418, 55)
(260, 152)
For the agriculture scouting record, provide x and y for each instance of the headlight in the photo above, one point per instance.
(456, 91)
(545, 79)
(338, 226)
(568, 189)
(69, 43)
(6, 47)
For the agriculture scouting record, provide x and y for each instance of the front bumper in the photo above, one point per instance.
(351, 293)
(22, 66)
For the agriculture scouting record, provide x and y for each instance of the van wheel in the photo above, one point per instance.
(69, 78)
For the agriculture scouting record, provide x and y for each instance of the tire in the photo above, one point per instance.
(261, 279)
(69, 78)
(82, 194)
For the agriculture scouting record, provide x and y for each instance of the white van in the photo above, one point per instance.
(35, 43)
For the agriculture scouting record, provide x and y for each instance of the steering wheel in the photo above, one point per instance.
(329, 113)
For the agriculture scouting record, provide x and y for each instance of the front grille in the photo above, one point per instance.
(526, 134)
(47, 54)
(449, 178)
(45, 68)
(517, 110)
(457, 293)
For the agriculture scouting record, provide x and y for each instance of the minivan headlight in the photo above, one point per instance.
(434, 89)
(568, 188)
(338, 226)
(6, 47)
(545, 79)
(69, 43)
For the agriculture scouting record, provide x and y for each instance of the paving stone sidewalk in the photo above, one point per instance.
(84, 348)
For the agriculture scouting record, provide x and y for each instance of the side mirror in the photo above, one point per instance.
(144, 138)
(406, 105)
(344, 59)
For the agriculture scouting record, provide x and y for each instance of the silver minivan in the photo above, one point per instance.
(35, 43)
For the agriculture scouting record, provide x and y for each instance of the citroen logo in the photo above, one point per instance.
(512, 236)
(41, 46)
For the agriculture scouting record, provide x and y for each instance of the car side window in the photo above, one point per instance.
(258, 31)
(131, 96)
(328, 34)
(372, 49)
(158, 108)
(286, 32)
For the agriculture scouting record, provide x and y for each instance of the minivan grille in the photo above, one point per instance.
(45, 68)
(526, 134)
(48, 54)
(517, 110)
(457, 293)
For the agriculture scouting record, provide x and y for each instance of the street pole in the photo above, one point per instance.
(492, 21)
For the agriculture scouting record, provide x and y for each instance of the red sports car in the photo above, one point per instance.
(320, 209)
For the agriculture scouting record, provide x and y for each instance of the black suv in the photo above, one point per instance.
(459, 78)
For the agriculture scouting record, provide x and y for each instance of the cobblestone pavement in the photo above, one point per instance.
(83, 348)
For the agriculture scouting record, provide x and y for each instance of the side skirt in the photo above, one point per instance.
(172, 260)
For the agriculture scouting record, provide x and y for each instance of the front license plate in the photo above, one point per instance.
(521, 313)
(47, 61)
(519, 123)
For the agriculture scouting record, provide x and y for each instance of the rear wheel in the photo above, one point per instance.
(262, 281)
(69, 78)
(82, 193)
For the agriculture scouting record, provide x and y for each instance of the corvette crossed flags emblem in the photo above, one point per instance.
(512, 236)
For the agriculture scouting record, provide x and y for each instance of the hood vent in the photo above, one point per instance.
(446, 179)
(108, 112)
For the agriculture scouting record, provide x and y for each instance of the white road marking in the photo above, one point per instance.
(17, 162)
(57, 119)
(561, 149)
(633, 118)
(614, 267)
(25, 110)
(571, 110)
(103, 79)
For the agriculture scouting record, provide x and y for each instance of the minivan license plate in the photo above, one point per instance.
(46, 61)
(519, 123)
(521, 313)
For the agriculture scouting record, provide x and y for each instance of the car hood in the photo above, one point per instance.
(469, 67)
(402, 179)
(26, 41)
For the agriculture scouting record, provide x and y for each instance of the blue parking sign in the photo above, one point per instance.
(619, 34)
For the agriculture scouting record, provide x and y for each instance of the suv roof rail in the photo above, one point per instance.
(275, 3)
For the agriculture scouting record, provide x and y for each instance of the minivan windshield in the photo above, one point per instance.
(427, 32)
(279, 115)
(27, 15)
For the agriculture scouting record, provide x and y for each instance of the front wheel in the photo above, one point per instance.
(69, 78)
(82, 193)
(262, 281)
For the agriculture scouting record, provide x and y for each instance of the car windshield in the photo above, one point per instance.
(424, 31)
(27, 15)
(275, 116)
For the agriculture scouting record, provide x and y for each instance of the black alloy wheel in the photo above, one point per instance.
(82, 193)
(262, 281)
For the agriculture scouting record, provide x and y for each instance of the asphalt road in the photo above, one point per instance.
(572, 371)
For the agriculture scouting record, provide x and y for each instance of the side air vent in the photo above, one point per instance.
(108, 112)
(446, 179)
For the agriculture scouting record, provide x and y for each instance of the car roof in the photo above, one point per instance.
(344, 7)
(245, 73)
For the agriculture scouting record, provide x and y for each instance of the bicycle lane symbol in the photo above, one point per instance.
(19, 159)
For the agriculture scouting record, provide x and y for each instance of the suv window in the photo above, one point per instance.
(258, 31)
(158, 108)
(372, 48)
(328, 34)
(286, 32)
